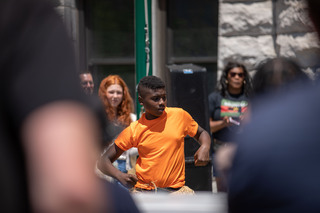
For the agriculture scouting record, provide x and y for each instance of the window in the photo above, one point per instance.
(109, 41)
(109, 44)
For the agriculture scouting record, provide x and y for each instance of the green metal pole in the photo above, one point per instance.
(150, 33)
(140, 44)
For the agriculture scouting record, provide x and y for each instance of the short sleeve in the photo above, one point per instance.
(212, 104)
(191, 124)
(124, 141)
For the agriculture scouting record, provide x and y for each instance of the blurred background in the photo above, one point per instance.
(109, 35)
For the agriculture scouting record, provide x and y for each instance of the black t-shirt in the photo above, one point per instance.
(37, 67)
(231, 105)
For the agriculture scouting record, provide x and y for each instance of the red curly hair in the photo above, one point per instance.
(122, 114)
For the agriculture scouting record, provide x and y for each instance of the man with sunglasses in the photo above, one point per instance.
(227, 106)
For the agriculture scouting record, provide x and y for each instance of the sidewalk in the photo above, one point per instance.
(203, 202)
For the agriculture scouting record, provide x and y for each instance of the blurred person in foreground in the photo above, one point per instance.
(86, 82)
(273, 76)
(277, 161)
(49, 135)
(276, 75)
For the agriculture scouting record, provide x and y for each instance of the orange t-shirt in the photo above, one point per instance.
(160, 144)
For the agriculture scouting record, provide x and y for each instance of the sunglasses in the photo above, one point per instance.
(233, 74)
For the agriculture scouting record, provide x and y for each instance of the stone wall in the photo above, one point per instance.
(251, 31)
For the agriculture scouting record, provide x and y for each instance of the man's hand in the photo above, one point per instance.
(201, 157)
(128, 180)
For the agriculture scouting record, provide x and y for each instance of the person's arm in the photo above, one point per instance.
(215, 123)
(106, 167)
(219, 124)
(202, 155)
(223, 159)
(61, 145)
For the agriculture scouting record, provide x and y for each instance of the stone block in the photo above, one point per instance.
(305, 47)
(245, 18)
(292, 17)
(246, 49)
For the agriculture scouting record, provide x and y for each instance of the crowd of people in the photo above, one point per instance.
(54, 135)
(229, 112)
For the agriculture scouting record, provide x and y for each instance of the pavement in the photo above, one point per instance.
(200, 202)
(203, 202)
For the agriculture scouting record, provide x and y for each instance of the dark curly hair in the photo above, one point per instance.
(150, 82)
(247, 86)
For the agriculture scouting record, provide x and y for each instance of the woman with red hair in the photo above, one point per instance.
(117, 101)
(118, 105)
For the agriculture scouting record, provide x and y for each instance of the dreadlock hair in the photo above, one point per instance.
(150, 82)
(122, 114)
(247, 86)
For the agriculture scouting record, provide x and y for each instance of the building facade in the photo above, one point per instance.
(208, 33)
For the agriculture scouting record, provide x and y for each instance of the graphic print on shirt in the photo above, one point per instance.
(233, 108)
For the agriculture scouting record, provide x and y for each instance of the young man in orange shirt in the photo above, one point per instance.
(159, 136)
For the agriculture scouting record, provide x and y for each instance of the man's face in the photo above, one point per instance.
(154, 102)
(86, 82)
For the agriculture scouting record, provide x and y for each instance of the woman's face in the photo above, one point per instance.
(235, 78)
(114, 95)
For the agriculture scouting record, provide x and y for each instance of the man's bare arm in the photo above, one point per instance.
(106, 167)
(202, 155)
